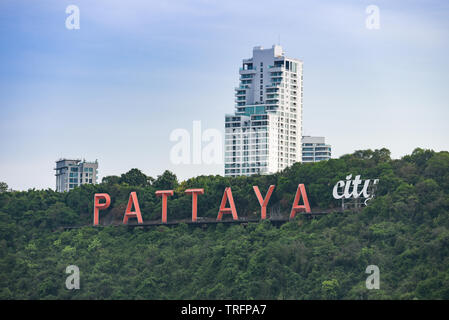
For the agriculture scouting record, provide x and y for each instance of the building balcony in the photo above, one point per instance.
(247, 71)
(246, 77)
(276, 68)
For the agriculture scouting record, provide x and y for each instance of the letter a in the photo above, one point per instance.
(373, 280)
(227, 195)
(263, 202)
(373, 20)
(133, 214)
(100, 206)
(72, 281)
(72, 21)
(296, 207)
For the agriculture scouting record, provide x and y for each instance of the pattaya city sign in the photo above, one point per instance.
(348, 189)
(227, 197)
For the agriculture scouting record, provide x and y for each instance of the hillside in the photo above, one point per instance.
(404, 231)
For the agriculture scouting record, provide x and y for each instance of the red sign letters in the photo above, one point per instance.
(227, 197)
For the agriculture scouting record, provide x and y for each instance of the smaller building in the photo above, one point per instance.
(71, 173)
(315, 149)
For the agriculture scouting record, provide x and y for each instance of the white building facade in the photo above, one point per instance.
(315, 149)
(71, 173)
(264, 135)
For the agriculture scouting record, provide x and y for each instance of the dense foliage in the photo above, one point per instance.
(404, 231)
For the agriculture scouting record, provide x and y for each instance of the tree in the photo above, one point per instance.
(381, 155)
(3, 187)
(166, 181)
(134, 177)
(330, 289)
(111, 180)
(404, 230)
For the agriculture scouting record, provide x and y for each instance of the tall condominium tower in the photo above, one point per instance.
(264, 135)
(72, 173)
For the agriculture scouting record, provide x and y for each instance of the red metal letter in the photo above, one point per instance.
(194, 193)
(164, 194)
(296, 207)
(134, 214)
(263, 202)
(227, 195)
(100, 206)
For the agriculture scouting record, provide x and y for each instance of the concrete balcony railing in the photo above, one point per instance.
(276, 68)
(245, 71)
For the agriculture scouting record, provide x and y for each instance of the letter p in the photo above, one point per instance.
(100, 206)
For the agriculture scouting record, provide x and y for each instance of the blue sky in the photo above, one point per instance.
(136, 70)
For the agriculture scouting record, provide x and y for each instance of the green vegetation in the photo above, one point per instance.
(404, 231)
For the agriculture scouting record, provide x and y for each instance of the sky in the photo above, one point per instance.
(116, 88)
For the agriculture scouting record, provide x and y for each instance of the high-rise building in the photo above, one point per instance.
(71, 173)
(315, 149)
(264, 134)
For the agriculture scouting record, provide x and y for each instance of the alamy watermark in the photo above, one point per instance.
(73, 20)
(372, 21)
(373, 280)
(73, 281)
(198, 147)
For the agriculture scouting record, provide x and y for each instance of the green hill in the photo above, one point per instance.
(404, 231)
